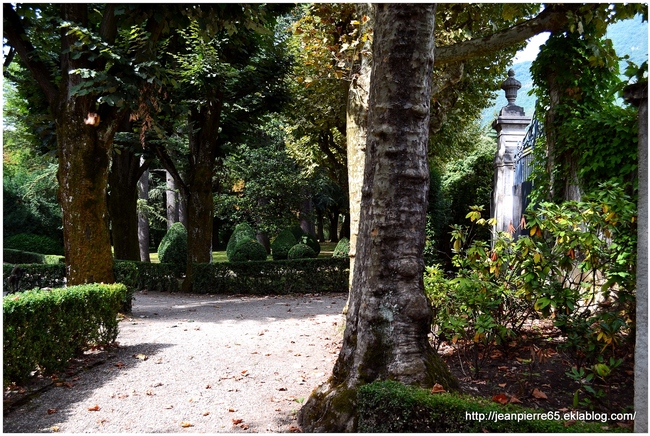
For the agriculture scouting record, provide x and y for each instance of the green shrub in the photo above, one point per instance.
(242, 232)
(282, 244)
(247, 250)
(342, 249)
(303, 237)
(272, 277)
(301, 251)
(17, 256)
(31, 276)
(173, 248)
(44, 329)
(391, 407)
(34, 243)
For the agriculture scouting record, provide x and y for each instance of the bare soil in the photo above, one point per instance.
(191, 363)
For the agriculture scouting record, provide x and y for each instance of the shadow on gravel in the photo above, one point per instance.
(84, 375)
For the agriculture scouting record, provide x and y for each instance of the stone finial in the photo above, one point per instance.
(510, 86)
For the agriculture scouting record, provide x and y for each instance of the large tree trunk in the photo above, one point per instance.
(143, 217)
(123, 204)
(84, 147)
(356, 124)
(200, 204)
(388, 321)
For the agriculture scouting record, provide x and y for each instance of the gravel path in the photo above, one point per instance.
(190, 363)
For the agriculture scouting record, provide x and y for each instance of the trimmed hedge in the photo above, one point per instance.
(303, 237)
(242, 232)
(272, 277)
(33, 243)
(342, 249)
(173, 248)
(301, 251)
(31, 276)
(248, 250)
(44, 329)
(18, 256)
(410, 409)
(282, 244)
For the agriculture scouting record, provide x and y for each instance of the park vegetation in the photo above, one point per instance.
(265, 130)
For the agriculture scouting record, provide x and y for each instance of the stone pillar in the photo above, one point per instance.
(637, 94)
(510, 126)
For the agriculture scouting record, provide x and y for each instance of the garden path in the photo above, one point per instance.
(195, 363)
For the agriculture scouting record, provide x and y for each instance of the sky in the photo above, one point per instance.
(530, 52)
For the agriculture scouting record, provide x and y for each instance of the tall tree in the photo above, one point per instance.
(388, 318)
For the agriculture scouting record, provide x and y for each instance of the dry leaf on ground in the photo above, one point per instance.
(437, 388)
(186, 424)
(539, 394)
(237, 421)
(500, 398)
(95, 408)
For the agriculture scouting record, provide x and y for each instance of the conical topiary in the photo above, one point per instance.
(173, 248)
(282, 244)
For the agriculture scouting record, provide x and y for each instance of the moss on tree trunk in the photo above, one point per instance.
(388, 319)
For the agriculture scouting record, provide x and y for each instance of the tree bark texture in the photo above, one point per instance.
(143, 218)
(171, 196)
(200, 201)
(388, 320)
(356, 125)
(84, 147)
(123, 204)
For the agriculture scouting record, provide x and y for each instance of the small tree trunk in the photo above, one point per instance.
(306, 213)
(387, 325)
(172, 200)
(334, 224)
(319, 222)
(143, 218)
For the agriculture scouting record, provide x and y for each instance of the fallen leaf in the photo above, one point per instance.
(244, 372)
(54, 428)
(208, 386)
(282, 389)
(95, 408)
(294, 429)
(237, 421)
(502, 368)
(502, 385)
(244, 426)
(206, 413)
(169, 407)
(515, 400)
(563, 410)
(141, 356)
(500, 398)
(437, 388)
(51, 411)
(231, 410)
(149, 392)
(539, 394)
(68, 384)
(186, 424)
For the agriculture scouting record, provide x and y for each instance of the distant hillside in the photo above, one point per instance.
(629, 37)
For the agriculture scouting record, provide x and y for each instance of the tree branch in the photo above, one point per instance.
(551, 19)
(14, 32)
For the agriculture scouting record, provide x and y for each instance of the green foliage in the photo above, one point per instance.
(34, 243)
(173, 248)
(248, 250)
(32, 276)
(301, 251)
(243, 246)
(30, 203)
(17, 256)
(44, 329)
(272, 277)
(305, 238)
(576, 267)
(411, 409)
(342, 249)
(282, 244)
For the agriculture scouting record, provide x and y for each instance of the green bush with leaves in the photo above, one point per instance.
(282, 244)
(242, 232)
(272, 277)
(342, 249)
(301, 251)
(173, 248)
(34, 243)
(248, 250)
(577, 266)
(415, 410)
(44, 329)
(303, 237)
(22, 277)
